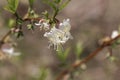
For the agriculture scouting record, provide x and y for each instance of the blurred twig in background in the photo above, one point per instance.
(75, 65)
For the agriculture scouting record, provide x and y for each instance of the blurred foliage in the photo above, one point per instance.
(57, 6)
(43, 73)
(13, 78)
(78, 49)
(112, 58)
(63, 54)
(11, 23)
(31, 2)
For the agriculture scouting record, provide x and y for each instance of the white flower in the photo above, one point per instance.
(60, 35)
(44, 24)
(54, 37)
(65, 25)
(115, 33)
(9, 50)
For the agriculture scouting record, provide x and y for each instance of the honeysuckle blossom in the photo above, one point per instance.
(54, 37)
(59, 36)
(43, 24)
(65, 27)
(115, 33)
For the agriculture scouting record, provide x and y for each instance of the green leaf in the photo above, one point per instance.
(62, 55)
(16, 4)
(12, 5)
(11, 23)
(30, 27)
(50, 3)
(79, 49)
(43, 74)
(19, 21)
(9, 9)
(112, 58)
(116, 43)
(57, 1)
(66, 52)
(45, 14)
(19, 34)
(64, 5)
(31, 2)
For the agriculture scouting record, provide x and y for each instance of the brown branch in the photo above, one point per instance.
(29, 19)
(4, 37)
(9, 32)
(85, 60)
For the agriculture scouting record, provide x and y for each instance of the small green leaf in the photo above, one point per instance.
(116, 43)
(62, 55)
(112, 58)
(11, 23)
(31, 2)
(16, 2)
(12, 6)
(50, 3)
(19, 34)
(30, 27)
(19, 21)
(79, 49)
(43, 74)
(66, 52)
(32, 14)
(64, 5)
(7, 8)
(45, 14)
(57, 1)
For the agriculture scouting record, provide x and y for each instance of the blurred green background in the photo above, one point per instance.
(91, 20)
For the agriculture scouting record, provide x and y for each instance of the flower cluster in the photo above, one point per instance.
(57, 35)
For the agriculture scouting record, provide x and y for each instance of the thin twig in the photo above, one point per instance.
(4, 37)
(85, 60)
(9, 32)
